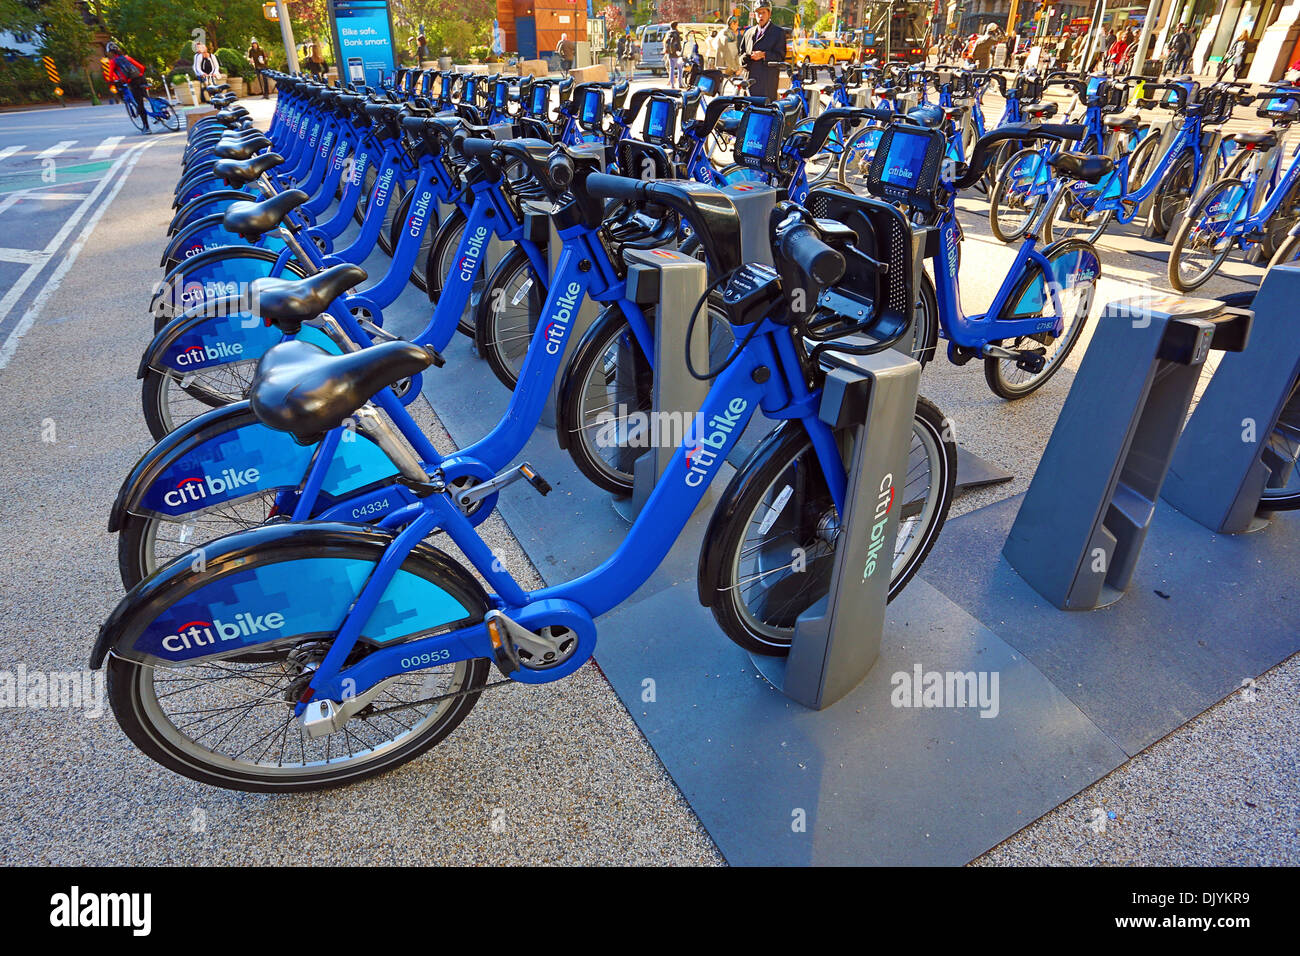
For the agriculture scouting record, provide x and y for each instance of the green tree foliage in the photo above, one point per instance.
(63, 35)
(456, 26)
(161, 35)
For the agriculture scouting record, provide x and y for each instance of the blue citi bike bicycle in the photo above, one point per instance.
(1254, 204)
(300, 656)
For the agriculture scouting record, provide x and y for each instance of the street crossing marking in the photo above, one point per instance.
(9, 151)
(123, 167)
(25, 256)
(105, 149)
(54, 150)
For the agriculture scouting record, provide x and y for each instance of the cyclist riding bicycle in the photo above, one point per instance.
(129, 72)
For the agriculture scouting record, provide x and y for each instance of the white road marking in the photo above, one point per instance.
(28, 256)
(128, 160)
(105, 149)
(54, 150)
(38, 192)
(9, 151)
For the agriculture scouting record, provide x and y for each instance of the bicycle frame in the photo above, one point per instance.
(732, 400)
(976, 331)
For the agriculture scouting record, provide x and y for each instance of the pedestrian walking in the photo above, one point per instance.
(257, 56)
(673, 55)
(565, 50)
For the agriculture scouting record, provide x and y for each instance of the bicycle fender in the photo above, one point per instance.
(227, 454)
(217, 332)
(215, 273)
(240, 598)
(186, 212)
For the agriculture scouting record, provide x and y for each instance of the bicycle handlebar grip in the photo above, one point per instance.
(605, 186)
(475, 148)
(803, 246)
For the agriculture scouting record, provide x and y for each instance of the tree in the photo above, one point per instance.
(615, 22)
(451, 25)
(163, 34)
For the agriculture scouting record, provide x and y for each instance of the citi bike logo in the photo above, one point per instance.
(421, 211)
(558, 327)
(315, 133)
(381, 191)
(200, 487)
(340, 153)
(198, 354)
(706, 452)
(884, 504)
(473, 249)
(198, 634)
(326, 142)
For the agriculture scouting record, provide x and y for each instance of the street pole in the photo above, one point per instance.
(286, 34)
(1093, 28)
(1145, 37)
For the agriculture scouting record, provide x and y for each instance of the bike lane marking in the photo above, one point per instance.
(9, 151)
(125, 163)
(104, 149)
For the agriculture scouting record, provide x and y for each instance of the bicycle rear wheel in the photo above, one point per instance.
(770, 547)
(162, 111)
(229, 722)
(133, 111)
(1203, 241)
(1013, 206)
(1075, 270)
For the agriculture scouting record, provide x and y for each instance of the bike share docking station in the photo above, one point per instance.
(1222, 464)
(1112, 447)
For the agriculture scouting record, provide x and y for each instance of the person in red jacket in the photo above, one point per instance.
(127, 71)
(1118, 50)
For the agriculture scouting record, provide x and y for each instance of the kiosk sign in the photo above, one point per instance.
(363, 40)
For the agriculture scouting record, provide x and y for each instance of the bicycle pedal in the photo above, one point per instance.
(1031, 360)
(536, 480)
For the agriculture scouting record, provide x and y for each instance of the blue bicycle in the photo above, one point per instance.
(304, 656)
(1251, 205)
(154, 107)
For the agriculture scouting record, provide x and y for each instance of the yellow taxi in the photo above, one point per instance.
(820, 51)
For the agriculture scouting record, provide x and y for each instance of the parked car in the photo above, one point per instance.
(820, 51)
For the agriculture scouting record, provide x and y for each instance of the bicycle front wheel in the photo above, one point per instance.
(1015, 204)
(1282, 456)
(163, 113)
(1204, 239)
(776, 532)
(508, 314)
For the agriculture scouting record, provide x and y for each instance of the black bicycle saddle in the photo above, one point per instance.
(301, 389)
(287, 303)
(252, 219)
(246, 170)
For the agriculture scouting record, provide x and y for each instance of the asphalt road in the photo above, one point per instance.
(59, 169)
(550, 774)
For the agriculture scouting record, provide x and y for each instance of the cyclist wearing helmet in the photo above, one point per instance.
(129, 72)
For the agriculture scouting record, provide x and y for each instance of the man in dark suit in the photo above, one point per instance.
(762, 50)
